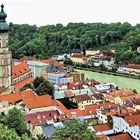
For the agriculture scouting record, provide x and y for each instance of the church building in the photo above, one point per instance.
(5, 54)
(13, 76)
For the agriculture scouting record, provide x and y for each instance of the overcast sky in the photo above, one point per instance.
(42, 12)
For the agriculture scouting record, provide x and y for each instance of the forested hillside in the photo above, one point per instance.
(45, 41)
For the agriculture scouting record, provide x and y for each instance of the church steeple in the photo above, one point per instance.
(5, 54)
(3, 25)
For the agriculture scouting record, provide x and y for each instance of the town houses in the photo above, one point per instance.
(110, 112)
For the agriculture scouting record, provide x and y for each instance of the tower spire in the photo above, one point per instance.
(2, 8)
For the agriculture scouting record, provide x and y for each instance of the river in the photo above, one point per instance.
(122, 82)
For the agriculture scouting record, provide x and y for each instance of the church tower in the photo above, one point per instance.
(5, 54)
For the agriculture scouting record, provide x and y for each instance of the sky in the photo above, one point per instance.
(43, 12)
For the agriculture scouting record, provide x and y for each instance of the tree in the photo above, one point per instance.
(8, 134)
(68, 62)
(75, 130)
(15, 120)
(135, 91)
(45, 88)
(37, 81)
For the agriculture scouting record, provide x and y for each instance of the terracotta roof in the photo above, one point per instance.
(77, 112)
(26, 58)
(102, 127)
(106, 57)
(82, 97)
(16, 97)
(136, 101)
(77, 55)
(11, 98)
(38, 102)
(56, 63)
(121, 137)
(101, 136)
(122, 93)
(134, 66)
(62, 108)
(97, 96)
(133, 120)
(19, 69)
(22, 83)
(120, 112)
(40, 118)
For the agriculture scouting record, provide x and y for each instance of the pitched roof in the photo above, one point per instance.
(26, 58)
(22, 83)
(40, 118)
(122, 93)
(133, 120)
(79, 55)
(16, 97)
(106, 57)
(38, 102)
(98, 96)
(56, 63)
(102, 127)
(121, 137)
(19, 69)
(134, 66)
(82, 97)
(102, 136)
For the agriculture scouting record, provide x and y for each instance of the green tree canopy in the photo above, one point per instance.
(75, 130)
(15, 120)
(8, 134)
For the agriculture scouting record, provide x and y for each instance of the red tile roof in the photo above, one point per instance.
(38, 102)
(134, 66)
(122, 93)
(102, 136)
(121, 137)
(82, 97)
(77, 55)
(19, 69)
(29, 98)
(133, 120)
(26, 58)
(22, 83)
(77, 112)
(106, 57)
(97, 96)
(16, 97)
(102, 127)
(40, 118)
(56, 63)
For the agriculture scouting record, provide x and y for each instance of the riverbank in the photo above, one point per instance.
(109, 73)
(122, 82)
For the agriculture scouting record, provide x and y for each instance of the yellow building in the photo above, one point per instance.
(91, 52)
(75, 76)
(78, 58)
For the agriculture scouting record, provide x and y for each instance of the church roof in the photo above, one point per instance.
(3, 25)
(19, 69)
